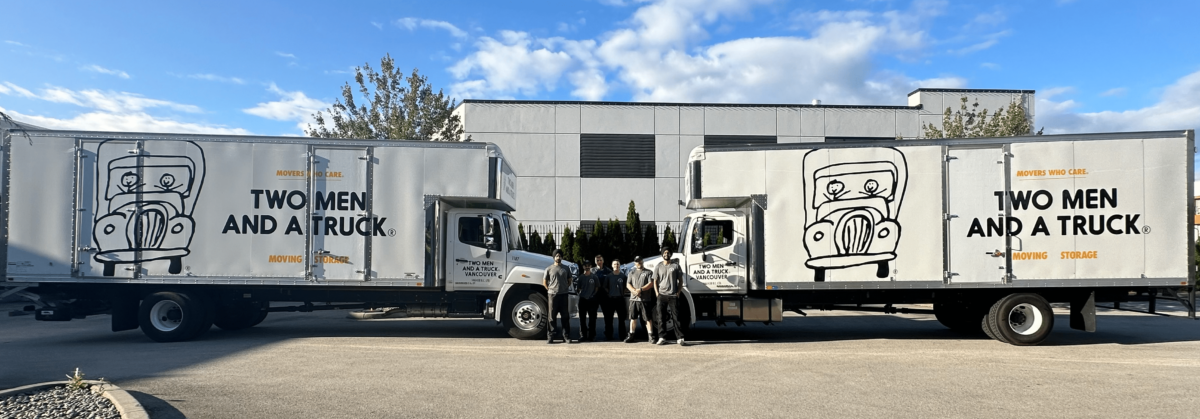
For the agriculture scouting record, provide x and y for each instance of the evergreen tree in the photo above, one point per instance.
(521, 233)
(618, 241)
(633, 232)
(535, 242)
(548, 244)
(669, 239)
(650, 242)
(568, 242)
(598, 241)
(582, 246)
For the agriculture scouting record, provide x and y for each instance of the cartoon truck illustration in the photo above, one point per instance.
(144, 203)
(852, 202)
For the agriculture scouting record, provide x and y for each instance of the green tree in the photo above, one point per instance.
(633, 232)
(650, 242)
(521, 234)
(548, 245)
(583, 246)
(598, 241)
(535, 242)
(568, 243)
(973, 122)
(669, 239)
(390, 106)
(616, 240)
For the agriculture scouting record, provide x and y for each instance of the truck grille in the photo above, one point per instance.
(856, 234)
(150, 228)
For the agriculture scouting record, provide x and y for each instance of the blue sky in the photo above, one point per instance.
(265, 67)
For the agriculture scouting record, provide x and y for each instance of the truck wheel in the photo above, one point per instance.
(1022, 319)
(174, 317)
(959, 316)
(240, 315)
(525, 317)
(990, 322)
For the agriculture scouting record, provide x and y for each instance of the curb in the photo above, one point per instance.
(126, 405)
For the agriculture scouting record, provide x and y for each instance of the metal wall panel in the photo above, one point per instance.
(566, 198)
(853, 122)
(666, 156)
(457, 172)
(666, 200)
(908, 123)
(789, 122)
(609, 198)
(1117, 256)
(529, 154)
(616, 156)
(691, 120)
(812, 122)
(566, 119)
(538, 199)
(398, 199)
(733, 174)
(739, 121)
(687, 143)
(566, 155)
(616, 119)
(40, 219)
(509, 117)
(720, 140)
(1031, 166)
(342, 229)
(666, 120)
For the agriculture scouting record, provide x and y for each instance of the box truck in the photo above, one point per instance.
(175, 233)
(990, 231)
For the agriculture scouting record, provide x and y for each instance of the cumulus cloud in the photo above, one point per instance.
(663, 55)
(1177, 108)
(412, 24)
(98, 69)
(110, 111)
(291, 106)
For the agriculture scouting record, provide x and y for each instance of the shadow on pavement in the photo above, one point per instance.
(155, 407)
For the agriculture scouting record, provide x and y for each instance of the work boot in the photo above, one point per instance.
(629, 339)
(662, 341)
(680, 342)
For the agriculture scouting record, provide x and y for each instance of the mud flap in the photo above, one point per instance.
(1083, 312)
(124, 313)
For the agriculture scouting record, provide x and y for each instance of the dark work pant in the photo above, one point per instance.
(666, 307)
(560, 307)
(615, 306)
(587, 317)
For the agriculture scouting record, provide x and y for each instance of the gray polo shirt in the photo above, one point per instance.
(668, 277)
(638, 278)
(558, 279)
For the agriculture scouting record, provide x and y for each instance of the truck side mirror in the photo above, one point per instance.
(488, 225)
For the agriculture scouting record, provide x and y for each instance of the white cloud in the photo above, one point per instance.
(107, 101)
(292, 106)
(110, 111)
(1116, 91)
(98, 69)
(412, 23)
(662, 56)
(15, 43)
(285, 55)
(1177, 108)
(124, 122)
(214, 77)
(990, 66)
(377, 25)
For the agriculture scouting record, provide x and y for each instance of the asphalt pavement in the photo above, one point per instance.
(829, 364)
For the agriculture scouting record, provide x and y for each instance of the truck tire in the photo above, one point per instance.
(1023, 319)
(991, 322)
(524, 314)
(239, 315)
(174, 317)
(960, 316)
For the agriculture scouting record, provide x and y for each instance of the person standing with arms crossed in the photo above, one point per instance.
(668, 281)
(616, 304)
(588, 285)
(641, 299)
(557, 281)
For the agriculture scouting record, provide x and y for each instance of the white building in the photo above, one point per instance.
(579, 161)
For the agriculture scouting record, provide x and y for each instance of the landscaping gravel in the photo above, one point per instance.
(58, 402)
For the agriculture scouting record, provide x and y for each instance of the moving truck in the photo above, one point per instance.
(990, 231)
(175, 233)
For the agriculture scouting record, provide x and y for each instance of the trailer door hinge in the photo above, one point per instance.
(949, 157)
(947, 275)
(947, 217)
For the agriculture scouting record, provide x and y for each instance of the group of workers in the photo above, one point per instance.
(641, 295)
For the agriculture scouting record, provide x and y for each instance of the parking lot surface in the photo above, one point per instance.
(847, 364)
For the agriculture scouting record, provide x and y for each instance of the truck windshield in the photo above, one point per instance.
(687, 222)
(514, 237)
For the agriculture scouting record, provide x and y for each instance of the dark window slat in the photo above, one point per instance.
(616, 156)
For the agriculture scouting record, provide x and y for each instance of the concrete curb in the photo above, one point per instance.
(126, 405)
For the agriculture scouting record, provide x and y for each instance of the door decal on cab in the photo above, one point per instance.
(144, 204)
(852, 204)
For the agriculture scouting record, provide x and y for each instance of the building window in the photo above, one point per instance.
(718, 140)
(616, 156)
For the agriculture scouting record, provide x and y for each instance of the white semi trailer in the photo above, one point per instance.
(173, 233)
(990, 231)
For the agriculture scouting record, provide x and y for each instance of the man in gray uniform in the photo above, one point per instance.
(557, 281)
(668, 283)
(641, 299)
